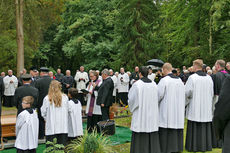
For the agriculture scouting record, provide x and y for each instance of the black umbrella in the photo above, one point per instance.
(156, 62)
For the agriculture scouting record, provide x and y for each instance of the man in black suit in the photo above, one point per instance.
(33, 71)
(25, 90)
(105, 94)
(42, 84)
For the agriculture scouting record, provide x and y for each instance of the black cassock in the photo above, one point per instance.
(105, 96)
(1, 94)
(23, 91)
(42, 85)
(67, 80)
(221, 117)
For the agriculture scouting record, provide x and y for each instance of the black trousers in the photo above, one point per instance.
(123, 97)
(105, 113)
(61, 138)
(26, 151)
(92, 122)
(8, 101)
(41, 134)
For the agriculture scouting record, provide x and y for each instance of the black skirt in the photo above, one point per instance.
(199, 136)
(26, 151)
(61, 138)
(171, 140)
(145, 143)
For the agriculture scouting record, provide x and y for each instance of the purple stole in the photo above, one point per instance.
(92, 99)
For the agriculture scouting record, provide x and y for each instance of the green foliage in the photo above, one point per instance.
(136, 33)
(53, 147)
(116, 33)
(90, 143)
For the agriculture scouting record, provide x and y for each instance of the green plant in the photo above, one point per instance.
(53, 147)
(90, 143)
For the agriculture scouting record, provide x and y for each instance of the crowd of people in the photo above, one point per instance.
(51, 105)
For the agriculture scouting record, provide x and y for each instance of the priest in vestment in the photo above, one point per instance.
(143, 103)
(199, 94)
(171, 94)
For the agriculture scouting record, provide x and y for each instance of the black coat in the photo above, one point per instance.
(222, 109)
(1, 87)
(22, 91)
(42, 85)
(105, 93)
(67, 80)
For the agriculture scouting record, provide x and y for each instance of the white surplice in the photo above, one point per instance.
(143, 103)
(56, 117)
(75, 127)
(81, 84)
(199, 94)
(123, 86)
(171, 94)
(10, 87)
(114, 78)
(27, 130)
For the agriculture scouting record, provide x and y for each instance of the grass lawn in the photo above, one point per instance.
(125, 148)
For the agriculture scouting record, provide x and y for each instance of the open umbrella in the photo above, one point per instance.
(155, 62)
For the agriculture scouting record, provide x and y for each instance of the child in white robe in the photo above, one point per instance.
(55, 112)
(27, 128)
(75, 128)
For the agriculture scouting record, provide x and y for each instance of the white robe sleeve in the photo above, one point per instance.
(76, 78)
(15, 82)
(132, 96)
(6, 82)
(44, 108)
(188, 90)
(126, 78)
(19, 123)
(161, 90)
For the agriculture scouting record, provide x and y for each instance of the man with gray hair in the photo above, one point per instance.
(105, 94)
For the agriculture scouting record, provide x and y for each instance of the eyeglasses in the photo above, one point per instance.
(25, 103)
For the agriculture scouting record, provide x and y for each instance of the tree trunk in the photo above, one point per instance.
(20, 35)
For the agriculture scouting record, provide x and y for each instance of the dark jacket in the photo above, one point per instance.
(22, 91)
(105, 93)
(42, 85)
(67, 80)
(222, 109)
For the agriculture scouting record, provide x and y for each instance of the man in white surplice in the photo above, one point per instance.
(143, 103)
(81, 79)
(199, 94)
(171, 94)
(123, 86)
(10, 83)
